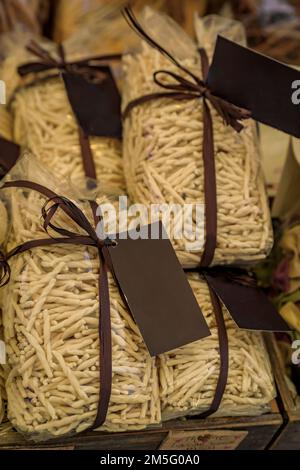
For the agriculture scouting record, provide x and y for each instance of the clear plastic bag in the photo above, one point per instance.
(162, 147)
(22, 15)
(43, 120)
(188, 375)
(50, 316)
(78, 14)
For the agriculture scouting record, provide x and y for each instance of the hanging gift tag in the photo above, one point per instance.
(156, 290)
(248, 306)
(267, 88)
(95, 101)
(9, 154)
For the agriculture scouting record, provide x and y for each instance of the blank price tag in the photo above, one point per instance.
(157, 291)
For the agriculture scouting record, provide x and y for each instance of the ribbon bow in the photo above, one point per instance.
(89, 238)
(91, 69)
(185, 89)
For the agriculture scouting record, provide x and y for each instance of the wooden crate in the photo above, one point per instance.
(289, 435)
(212, 433)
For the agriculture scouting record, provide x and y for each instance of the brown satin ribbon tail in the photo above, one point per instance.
(224, 355)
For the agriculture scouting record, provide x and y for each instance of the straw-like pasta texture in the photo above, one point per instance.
(44, 123)
(50, 313)
(188, 375)
(163, 162)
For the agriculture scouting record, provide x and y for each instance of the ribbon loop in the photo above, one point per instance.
(5, 270)
(91, 69)
(180, 83)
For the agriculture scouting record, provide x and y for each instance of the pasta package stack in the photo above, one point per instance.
(189, 375)
(163, 139)
(51, 315)
(43, 121)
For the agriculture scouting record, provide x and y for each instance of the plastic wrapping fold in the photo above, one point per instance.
(188, 375)
(50, 316)
(163, 140)
(43, 120)
(81, 14)
(22, 15)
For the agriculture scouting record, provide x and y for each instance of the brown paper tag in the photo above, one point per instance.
(248, 306)
(246, 78)
(203, 440)
(97, 106)
(157, 292)
(9, 154)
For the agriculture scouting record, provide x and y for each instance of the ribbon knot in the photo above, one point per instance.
(5, 270)
(90, 69)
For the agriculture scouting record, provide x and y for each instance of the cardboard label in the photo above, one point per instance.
(9, 154)
(96, 103)
(156, 291)
(203, 440)
(267, 88)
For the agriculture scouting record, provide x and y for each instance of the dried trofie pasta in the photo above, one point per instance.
(188, 375)
(44, 122)
(163, 157)
(51, 313)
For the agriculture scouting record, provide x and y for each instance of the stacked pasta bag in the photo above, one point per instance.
(51, 322)
(163, 144)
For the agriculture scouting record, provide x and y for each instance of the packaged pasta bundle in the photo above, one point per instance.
(44, 99)
(190, 376)
(58, 348)
(178, 150)
(23, 15)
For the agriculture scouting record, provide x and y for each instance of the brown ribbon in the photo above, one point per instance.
(90, 238)
(90, 69)
(187, 89)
